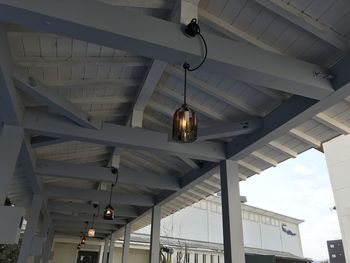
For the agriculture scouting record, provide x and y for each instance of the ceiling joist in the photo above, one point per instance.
(101, 174)
(109, 26)
(116, 135)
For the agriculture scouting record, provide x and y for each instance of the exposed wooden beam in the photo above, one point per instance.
(100, 196)
(101, 174)
(265, 158)
(43, 62)
(71, 208)
(50, 98)
(41, 141)
(249, 166)
(291, 113)
(305, 138)
(332, 123)
(215, 92)
(79, 224)
(109, 26)
(83, 218)
(284, 149)
(226, 130)
(149, 85)
(116, 135)
(206, 111)
(154, 4)
(232, 31)
(89, 83)
(307, 22)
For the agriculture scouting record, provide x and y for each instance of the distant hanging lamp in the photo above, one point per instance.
(83, 240)
(185, 119)
(91, 231)
(109, 210)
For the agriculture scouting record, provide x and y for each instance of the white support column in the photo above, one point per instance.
(43, 233)
(100, 257)
(126, 246)
(48, 245)
(30, 228)
(11, 139)
(231, 212)
(155, 235)
(105, 250)
(112, 248)
(338, 161)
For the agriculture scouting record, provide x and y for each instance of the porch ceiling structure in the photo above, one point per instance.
(103, 81)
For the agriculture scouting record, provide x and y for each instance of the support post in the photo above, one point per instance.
(231, 212)
(126, 246)
(43, 232)
(11, 139)
(30, 229)
(112, 248)
(48, 245)
(105, 250)
(155, 235)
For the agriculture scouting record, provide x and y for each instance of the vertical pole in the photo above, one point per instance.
(30, 228)
(112, 248)
(105, 250)
(43, 233)
(155, 235)
(11, 139)
(48, 245)
(100, 257)
(127, 234)
(231, 213)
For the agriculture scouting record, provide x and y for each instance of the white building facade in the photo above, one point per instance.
(196, 231)
(261, 229)
(338, 161)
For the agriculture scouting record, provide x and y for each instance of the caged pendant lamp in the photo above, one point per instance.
(185, 119)
(91, 231)
(83, 240)
(109, 210)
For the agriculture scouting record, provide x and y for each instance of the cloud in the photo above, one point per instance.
(299, 188)
(303, 170)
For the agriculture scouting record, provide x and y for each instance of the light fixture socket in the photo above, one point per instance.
(192, 29)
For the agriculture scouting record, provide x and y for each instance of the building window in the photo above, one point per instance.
(331, 245)
(196, 258)
(187, 258)
(334, 255)
(204, 258)
(211, 258)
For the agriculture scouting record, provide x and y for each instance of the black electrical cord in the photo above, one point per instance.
(194, 30)
(114, 170)
(205, 53)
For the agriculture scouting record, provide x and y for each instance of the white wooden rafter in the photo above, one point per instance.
(235, 59)
(307, 22)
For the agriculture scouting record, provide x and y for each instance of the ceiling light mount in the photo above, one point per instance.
(192, 29)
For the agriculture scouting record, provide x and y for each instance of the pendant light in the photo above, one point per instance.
(109, 210)
(83, 240)
(91, 231)
(78, 247)
(185, 120)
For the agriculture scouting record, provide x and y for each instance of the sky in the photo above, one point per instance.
(299, 188)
